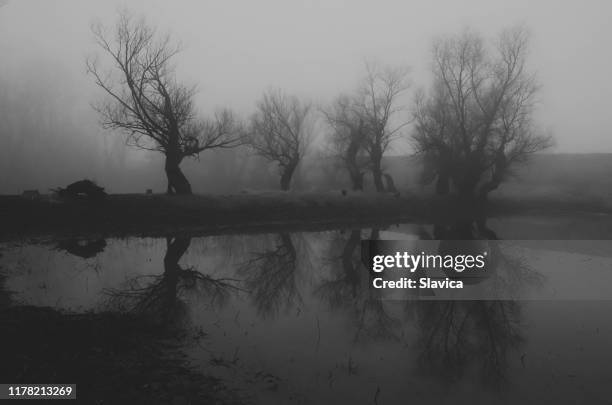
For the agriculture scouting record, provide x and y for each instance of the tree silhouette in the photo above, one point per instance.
(476, 121)
(347, 138)
(364, 123)
(377, 100)
(146, 101)
(280, 132)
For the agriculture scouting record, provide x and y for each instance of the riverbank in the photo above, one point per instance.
(154, 215)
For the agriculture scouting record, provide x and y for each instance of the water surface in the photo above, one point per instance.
(291, 317)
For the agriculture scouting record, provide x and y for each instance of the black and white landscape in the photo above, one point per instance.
(187, 189)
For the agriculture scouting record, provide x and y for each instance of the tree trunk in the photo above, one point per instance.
(483, 192)
(484, 230)
(286, 175)
(468, 178)
(378, 181)
(496, 179)
(376, 160)
(390, 187)
(466, 193)
(354, 172)
(175, 249)
(356, 178)
(350, 157)
(351, 273)
(287, 245)
(177, 182)
(170, 304)
(443, 163)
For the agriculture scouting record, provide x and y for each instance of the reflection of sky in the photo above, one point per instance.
(570, 276)
(40, 275)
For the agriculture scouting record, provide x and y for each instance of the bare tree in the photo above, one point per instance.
(477, 120)
(280, 132)
(347, 137)
(366, 122)
(377, 100)
(146, 101)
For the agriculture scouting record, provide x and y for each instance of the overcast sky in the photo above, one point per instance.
(236, 49)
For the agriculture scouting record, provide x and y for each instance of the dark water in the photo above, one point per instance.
(290, 317)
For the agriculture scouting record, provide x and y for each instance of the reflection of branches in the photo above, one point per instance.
(454, 333)
(512, 273)
(374, 320)
(154, 292)
(506, 273)
(271, 276)
(350, 289)
(159, 295)
(343, 288)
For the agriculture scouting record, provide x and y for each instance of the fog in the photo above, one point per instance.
(235, 50)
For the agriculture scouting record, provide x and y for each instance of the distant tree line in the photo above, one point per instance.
(473, 123)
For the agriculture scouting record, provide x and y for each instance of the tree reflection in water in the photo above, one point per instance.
(453, 336)
(270, 276)
(159, 297)
(349, 289)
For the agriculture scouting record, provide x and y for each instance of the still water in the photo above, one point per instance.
(291, 317)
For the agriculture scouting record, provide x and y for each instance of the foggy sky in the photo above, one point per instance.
(234, 50)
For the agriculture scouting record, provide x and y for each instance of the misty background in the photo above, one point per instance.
(235, 50)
